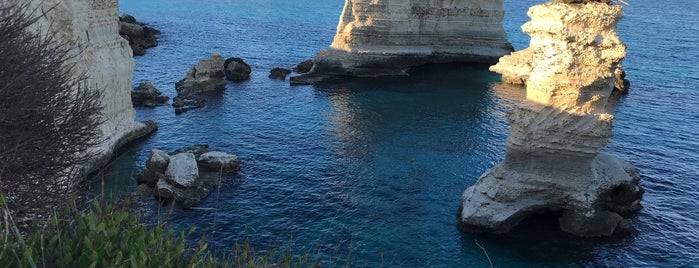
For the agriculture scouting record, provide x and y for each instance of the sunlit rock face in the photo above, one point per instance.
(553, 160)
(384, 37)
(106, 59)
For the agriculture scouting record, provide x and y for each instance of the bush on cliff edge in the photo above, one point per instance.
(49, 119)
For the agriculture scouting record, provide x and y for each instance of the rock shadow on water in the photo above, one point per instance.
(429, 76)
(539, 240)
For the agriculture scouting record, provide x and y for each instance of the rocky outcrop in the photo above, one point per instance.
(553, 160)
(139, 35)
(146, 94)
(207, 75)
(279, 73)
(382, 37)
(304, 67)
(186, 175)
(105, 58)
(236, 69)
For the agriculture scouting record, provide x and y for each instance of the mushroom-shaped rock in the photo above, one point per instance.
(236, 69)
(279, 73)
(216, 161)
(182, 171)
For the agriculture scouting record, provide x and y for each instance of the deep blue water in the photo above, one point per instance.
(371, 172)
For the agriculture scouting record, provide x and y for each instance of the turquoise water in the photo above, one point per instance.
(371, 172)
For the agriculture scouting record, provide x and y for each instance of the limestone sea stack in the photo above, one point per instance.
(106, 60)
(382, 37)
(553, 160)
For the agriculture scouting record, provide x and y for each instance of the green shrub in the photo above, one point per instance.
(106, 237)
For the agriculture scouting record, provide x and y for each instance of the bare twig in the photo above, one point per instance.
(484, 251)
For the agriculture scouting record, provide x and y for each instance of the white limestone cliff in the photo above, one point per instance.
(105, 58)
(553, 160)
(382, 37)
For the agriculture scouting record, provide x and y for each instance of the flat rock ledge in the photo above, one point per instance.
(187, 175)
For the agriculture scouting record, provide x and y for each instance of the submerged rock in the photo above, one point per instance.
(382, 37)
(553, 160)
(147, 95)
(279, 73)
(140, 36)
(236, 69)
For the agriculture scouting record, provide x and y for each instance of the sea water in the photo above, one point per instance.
(369, 172)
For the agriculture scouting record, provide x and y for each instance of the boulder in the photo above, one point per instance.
(197, 150)
(130, 29)
(140, 37)
(182, 171)
(147, 95)
(219, 161)
(236, 69)
(164, 189)
(185, 104)
(158, 161)
(128, 18)
(279, 73)
(304, 66)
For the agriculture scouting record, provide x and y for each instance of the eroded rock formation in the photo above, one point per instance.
(106, 59)
(186, 175)
(382, 37)
(553, 160)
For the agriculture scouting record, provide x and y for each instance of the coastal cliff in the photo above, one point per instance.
(381, 37)
(553, 161)
(105, 58)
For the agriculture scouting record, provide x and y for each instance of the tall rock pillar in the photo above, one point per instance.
(553, 160)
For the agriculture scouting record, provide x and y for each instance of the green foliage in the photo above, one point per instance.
(107, 237)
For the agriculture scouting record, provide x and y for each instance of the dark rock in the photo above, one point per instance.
(304, 67)
(130, 29)
(621, 84)
(185, 104)
(140, 37)
(219, 161)
(158, 161)
(147, 95)
(127, 18)
(236, 69)
(279, 73)
(149, 177)
(197, 150)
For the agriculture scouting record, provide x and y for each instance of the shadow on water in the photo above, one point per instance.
(538, 240)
